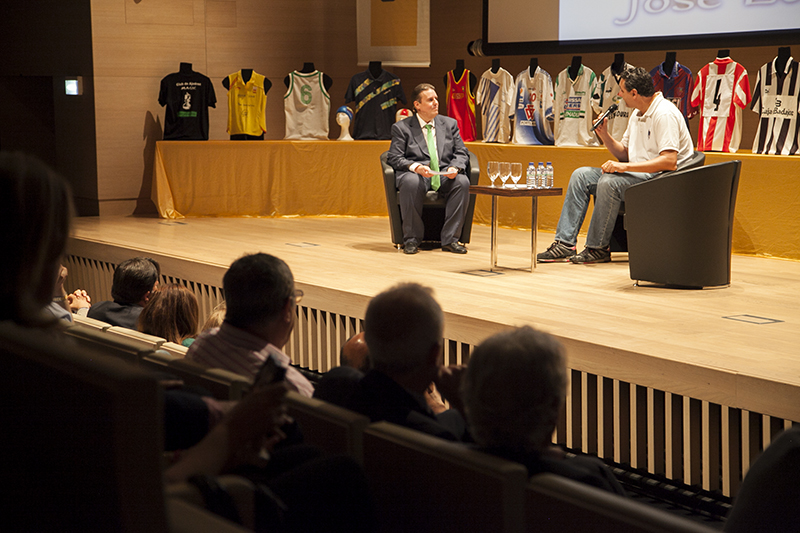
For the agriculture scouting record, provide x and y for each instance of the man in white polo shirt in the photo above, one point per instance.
(655, 141)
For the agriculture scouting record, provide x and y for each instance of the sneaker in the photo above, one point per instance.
(558, 251)
(592, 255)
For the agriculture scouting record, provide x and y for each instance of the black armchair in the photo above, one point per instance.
(619, 237)
(432, 209)
(680, 226)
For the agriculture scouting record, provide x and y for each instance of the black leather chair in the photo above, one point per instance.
(432, 209)
(680, 226)
(619, 238)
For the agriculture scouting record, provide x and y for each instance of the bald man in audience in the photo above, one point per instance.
(403, 330)
(354, 353)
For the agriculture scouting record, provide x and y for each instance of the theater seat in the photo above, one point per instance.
(680, 226)
(432, 210)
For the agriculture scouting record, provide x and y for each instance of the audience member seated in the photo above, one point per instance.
(172, 313)
(64, 305)
(514, 388)
(403, 330)
(36, 210)
(261, 313)
(216, 317)
(769, 497)
(338, 384)
(135, 282)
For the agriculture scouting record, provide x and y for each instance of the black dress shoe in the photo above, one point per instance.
(454, 248)
(410, 248)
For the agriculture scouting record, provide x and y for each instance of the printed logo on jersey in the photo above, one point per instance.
(187, 101)
(572, 107)
(780, 106)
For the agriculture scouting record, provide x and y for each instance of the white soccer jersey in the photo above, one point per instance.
(775, 100)
(607, 93)
(573, 116)
(721, 90)
(307, 106)
(495, 95)
(533, 117)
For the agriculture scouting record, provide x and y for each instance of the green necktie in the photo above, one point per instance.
(434, 156)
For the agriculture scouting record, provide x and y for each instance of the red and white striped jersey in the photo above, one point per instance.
(721, 90)
(775, 99)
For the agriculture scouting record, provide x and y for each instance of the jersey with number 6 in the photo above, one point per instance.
(307, 106)
(721, 90)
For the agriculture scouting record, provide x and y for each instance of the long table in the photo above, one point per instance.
(339, 178)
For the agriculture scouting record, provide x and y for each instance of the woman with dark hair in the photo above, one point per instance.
(35, 213)
(172, 313)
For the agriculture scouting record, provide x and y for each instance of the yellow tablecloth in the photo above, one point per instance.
(286, 178)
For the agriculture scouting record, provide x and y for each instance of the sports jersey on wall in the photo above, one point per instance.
(721, 90)
(495, 95)
(246, 103)
(375, 104)
(775, 100)
(533, 116)
(676, 87)
(607, 93)
(573, 116)
(187, 95)
(307, 106)
(461, 105)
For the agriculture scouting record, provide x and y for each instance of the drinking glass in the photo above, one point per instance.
(516, 173)
(505, 172)
(493, 169)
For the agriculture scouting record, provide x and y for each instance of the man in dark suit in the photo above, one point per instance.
(135, 282)
(413, 141)
(403, 328)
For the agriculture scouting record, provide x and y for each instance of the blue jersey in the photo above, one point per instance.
(533, 114)
(676, 87)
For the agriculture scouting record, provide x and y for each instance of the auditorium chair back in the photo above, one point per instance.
(555, 504)
(333, 429)
(424, 483)
(83, 438)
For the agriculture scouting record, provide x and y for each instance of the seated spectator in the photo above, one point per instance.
(338, 384)
(769, 497)
(216, 317)
(172, 313)
(135, 282)
(65, 305)
(354, 353)
(514, 389)
(262, 311)
(36, 211)
(403, 329)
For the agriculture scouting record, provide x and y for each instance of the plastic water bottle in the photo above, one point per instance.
(549, 180)
(530, 180)
(540, 176)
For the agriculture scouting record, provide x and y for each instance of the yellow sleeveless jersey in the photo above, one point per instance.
(246, 103)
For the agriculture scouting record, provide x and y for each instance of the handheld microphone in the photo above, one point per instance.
(608, 113)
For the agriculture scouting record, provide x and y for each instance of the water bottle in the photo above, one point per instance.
(540, 176)
(549, 180)
(530, 180)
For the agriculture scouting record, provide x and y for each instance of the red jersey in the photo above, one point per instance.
(461, 105)
(721, 91)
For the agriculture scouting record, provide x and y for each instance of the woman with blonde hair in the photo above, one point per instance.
(172, 313)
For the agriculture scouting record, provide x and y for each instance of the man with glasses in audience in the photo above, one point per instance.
(261, 313)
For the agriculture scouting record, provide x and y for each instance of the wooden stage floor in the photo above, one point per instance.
(727, 345)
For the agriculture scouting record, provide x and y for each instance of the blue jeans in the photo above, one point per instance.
(610, 193)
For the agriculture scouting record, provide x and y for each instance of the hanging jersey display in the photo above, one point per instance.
(461, 105)
(495, 95)
(676, 87)
(607, 93)
(573, 117)
(187, 97)
(533, 116)
(307, 106)
(246, 103)
(775, 100)
(375, 104)
(721, 90)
